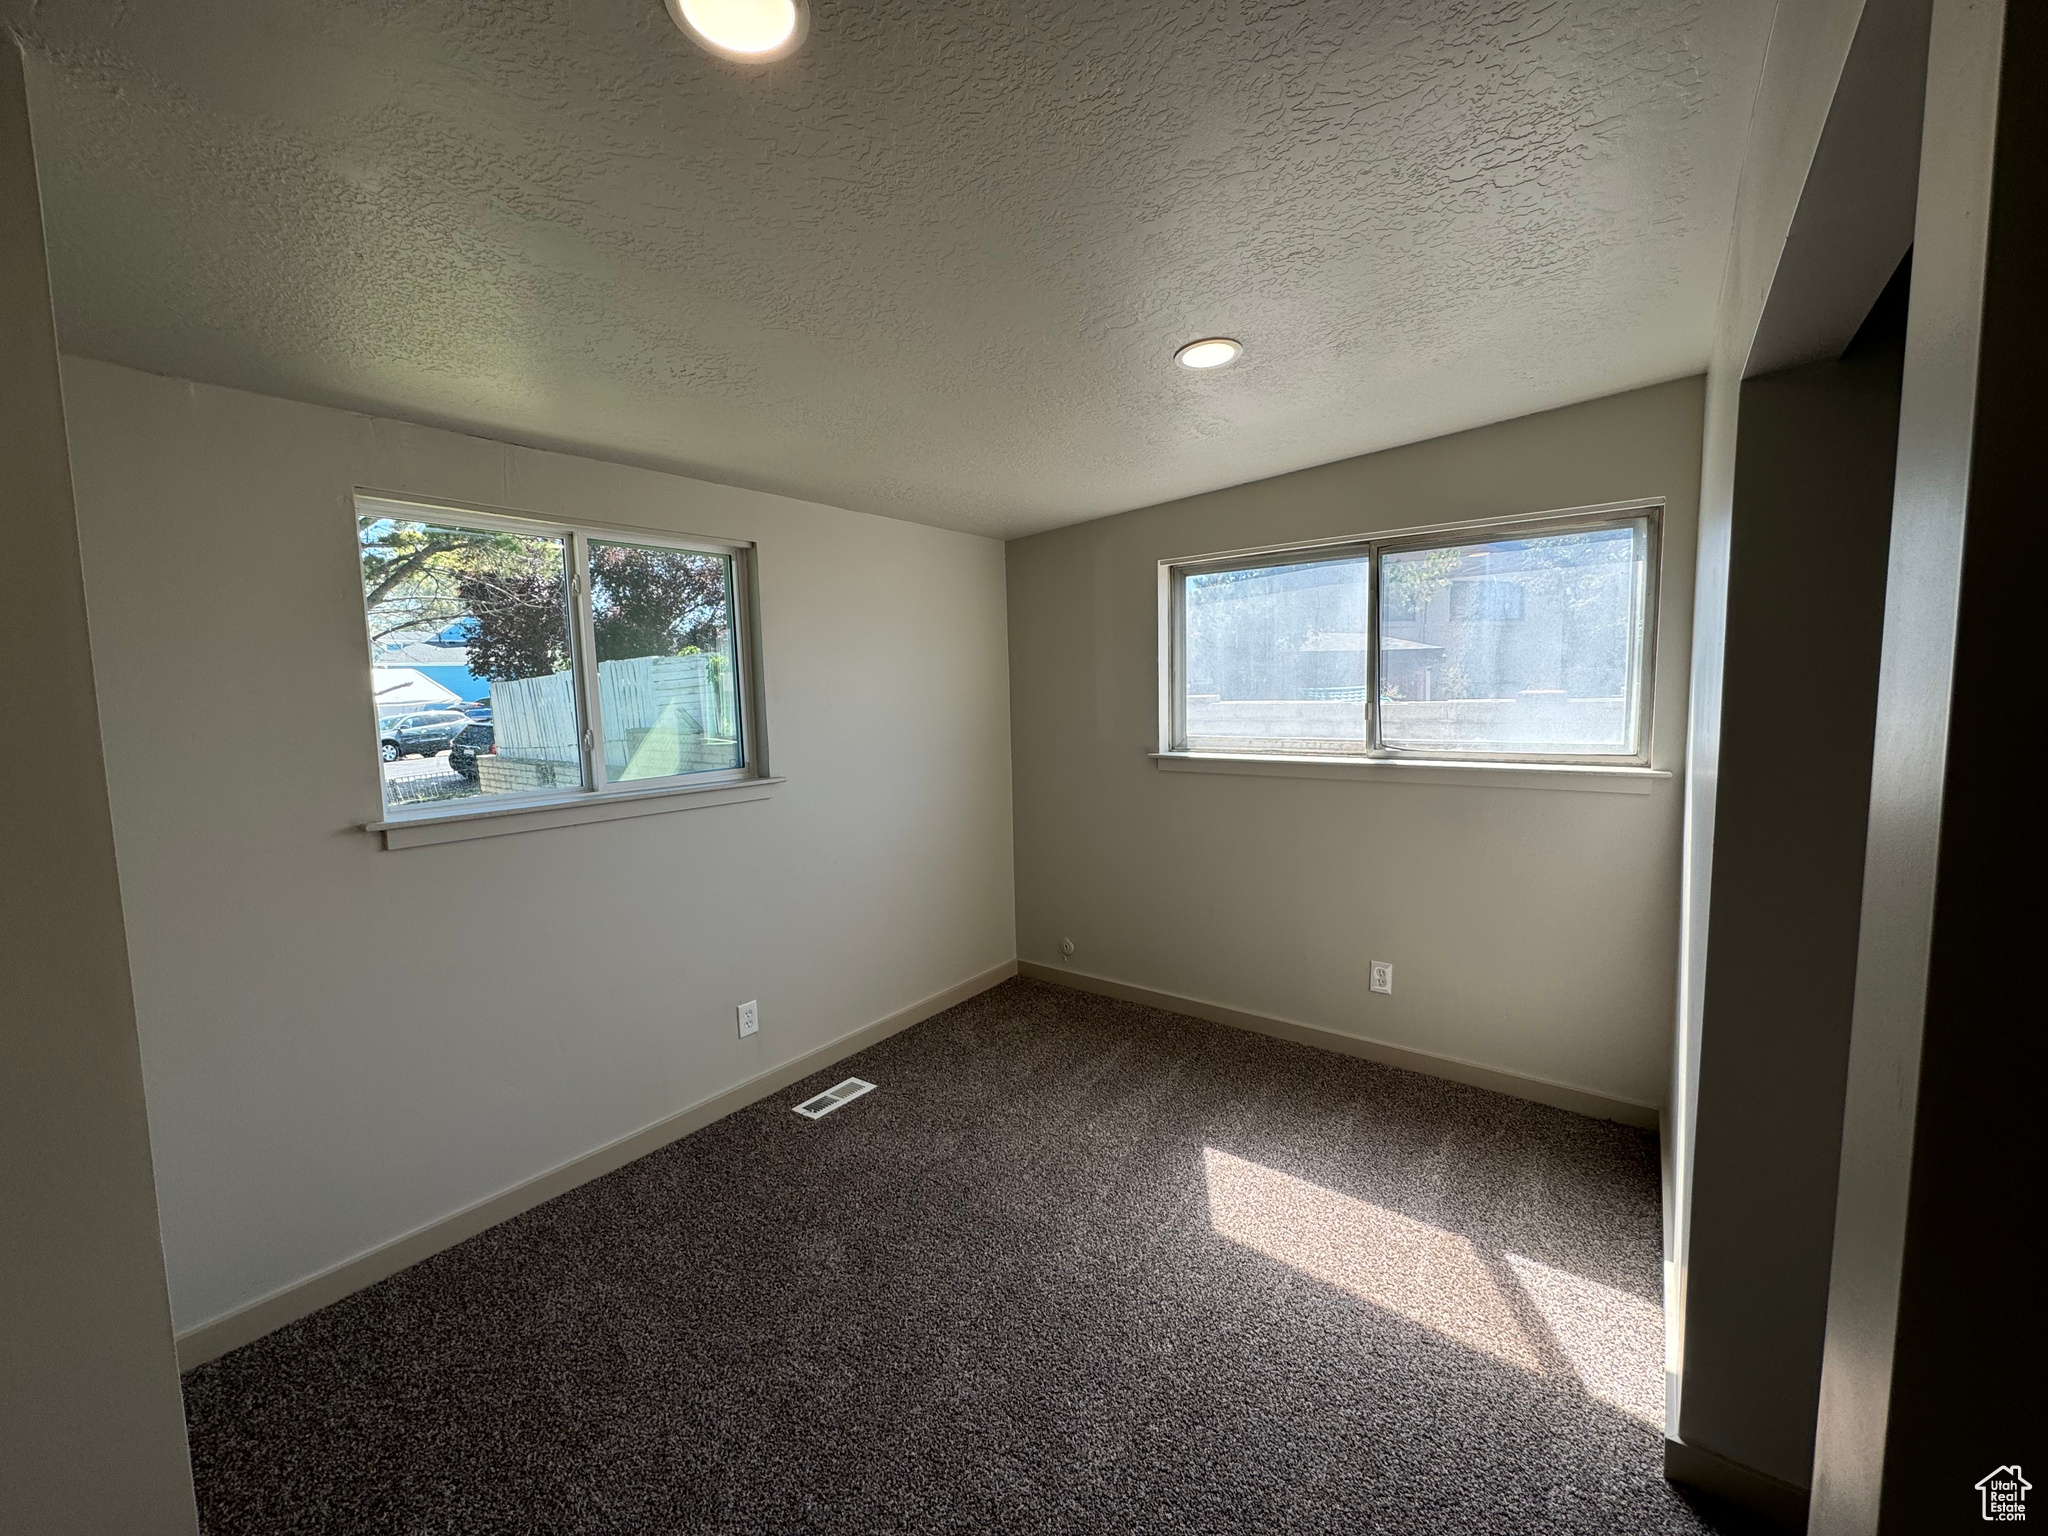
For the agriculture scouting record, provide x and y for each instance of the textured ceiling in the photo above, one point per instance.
(933, 266)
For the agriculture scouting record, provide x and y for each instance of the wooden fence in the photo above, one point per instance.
(662, 715)
(535, 719)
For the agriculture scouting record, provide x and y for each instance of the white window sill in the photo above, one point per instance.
(1413, 770)
(571, 810)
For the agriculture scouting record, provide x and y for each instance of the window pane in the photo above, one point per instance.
(665, 663)
(1523, 645)
(1276, 657)
(470, 661)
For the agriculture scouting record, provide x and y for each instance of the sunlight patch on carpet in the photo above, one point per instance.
(1429, 1276)
(1514, 1308)
(1614, 1341)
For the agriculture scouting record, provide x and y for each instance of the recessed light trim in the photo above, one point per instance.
(750, 31)
(1210, 352)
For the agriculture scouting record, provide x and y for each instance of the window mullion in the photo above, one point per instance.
(587, 676)
(1178, 670)
(1372, 651)
(1643, 653)
(739, 608)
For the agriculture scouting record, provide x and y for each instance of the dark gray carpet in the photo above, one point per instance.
(1076, 1266)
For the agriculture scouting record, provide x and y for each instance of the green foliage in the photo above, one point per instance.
(1581, 573)
(506, 590)
(656, 602)
(1412, 581)
(518, 622)
(1578, 567)
(411, 572)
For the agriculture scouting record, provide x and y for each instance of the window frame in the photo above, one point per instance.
(1173, 574)
(577, 536)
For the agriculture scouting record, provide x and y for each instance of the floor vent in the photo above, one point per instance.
(832, 1098)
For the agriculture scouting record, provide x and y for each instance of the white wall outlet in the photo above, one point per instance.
(1067, 948)
(1383, 976)
(750, 1019)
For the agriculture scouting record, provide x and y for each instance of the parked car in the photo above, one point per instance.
(479, 740)
(479, 709)
(427, 732)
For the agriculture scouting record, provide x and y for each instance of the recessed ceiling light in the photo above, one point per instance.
(1210, 352)
(753, 31)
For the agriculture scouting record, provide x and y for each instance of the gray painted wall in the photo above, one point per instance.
(1805, 607)
(1815, 235)
(1533, 931)
(92, 1429)
(1922, 1395)
(344, 1043)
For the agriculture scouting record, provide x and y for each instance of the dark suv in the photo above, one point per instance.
(428, 732)
(479, 740)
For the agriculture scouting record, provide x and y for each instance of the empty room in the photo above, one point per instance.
(800, 766)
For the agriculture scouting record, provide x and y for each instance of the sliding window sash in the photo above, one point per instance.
(1644, 517)
(577, 539)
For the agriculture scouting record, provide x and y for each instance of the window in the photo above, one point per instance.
(513, 659)
(1527, 640)
(1484, 599)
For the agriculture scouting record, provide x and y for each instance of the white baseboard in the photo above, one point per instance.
(1584, 1101)
(211, 1339)
(1781, 1505)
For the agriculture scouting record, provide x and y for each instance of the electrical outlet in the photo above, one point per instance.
(750, 1019)
(1383, 976)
